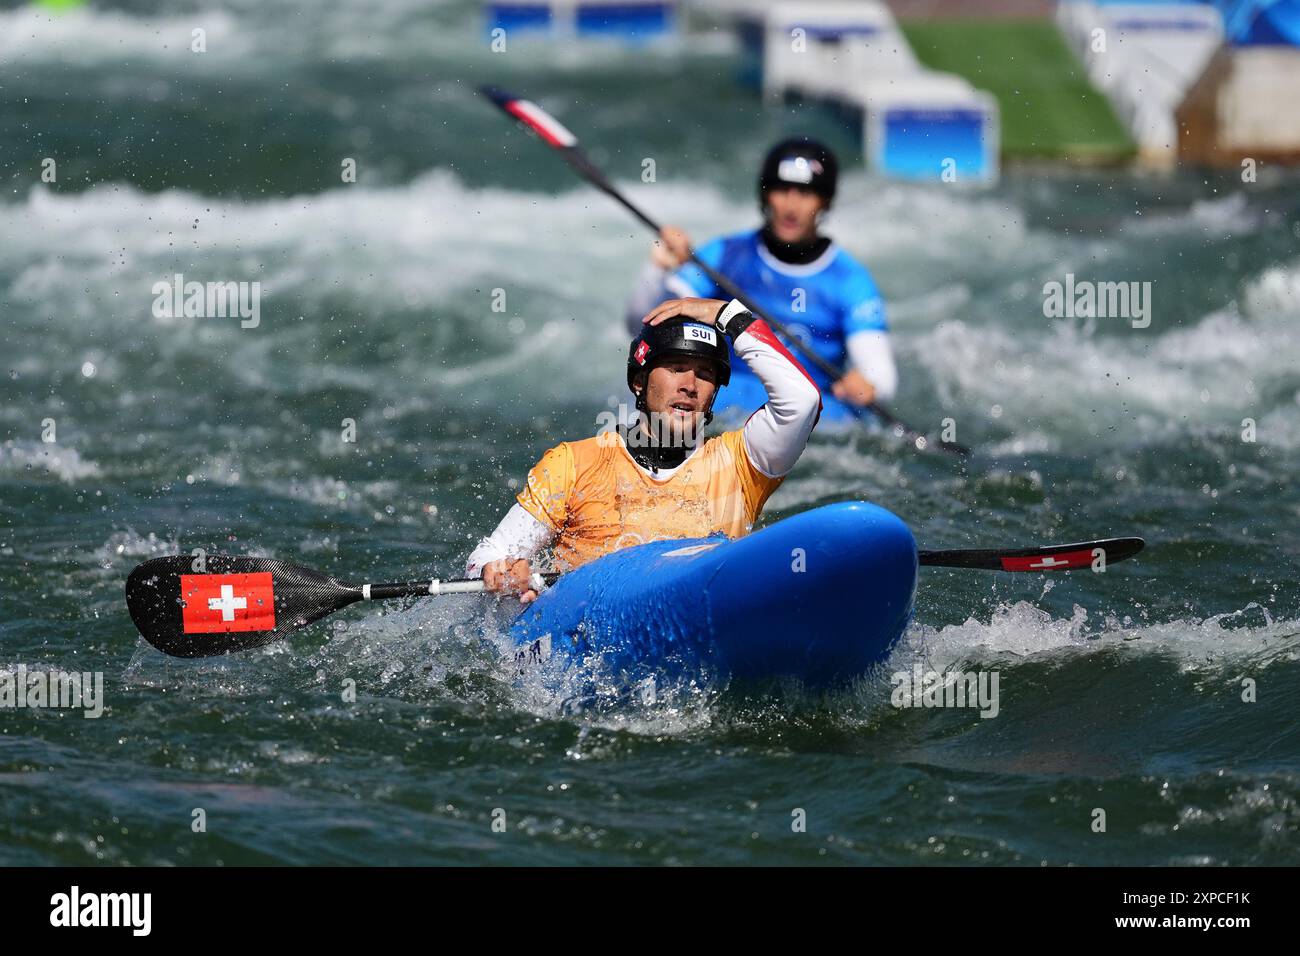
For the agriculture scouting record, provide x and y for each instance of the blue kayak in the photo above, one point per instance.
(820, 597)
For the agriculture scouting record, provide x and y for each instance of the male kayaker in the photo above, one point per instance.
(656, 479)
(794, 273)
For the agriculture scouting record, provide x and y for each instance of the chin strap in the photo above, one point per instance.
(652, 457)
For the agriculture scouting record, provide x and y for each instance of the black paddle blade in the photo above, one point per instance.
(234, 604)
(1057, 557)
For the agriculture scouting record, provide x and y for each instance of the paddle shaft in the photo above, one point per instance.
(406, 589)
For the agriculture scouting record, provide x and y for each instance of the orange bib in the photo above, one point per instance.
(596, 499)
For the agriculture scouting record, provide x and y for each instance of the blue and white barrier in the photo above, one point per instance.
(633, 21)
(917, 123)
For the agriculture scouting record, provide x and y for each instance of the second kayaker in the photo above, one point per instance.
(656, 479)
(797, 275)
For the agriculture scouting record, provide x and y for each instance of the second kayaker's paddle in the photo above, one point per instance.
(237, 603)
(555, 135)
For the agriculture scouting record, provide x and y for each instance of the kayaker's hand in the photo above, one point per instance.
(854, 389)
(701, 310)
(510, 576)
(671, 249)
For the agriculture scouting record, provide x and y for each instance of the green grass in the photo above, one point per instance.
(1048, 107)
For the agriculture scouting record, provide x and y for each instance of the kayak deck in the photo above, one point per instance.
(820, 597)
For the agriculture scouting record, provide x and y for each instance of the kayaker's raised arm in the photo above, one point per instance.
(776, 434)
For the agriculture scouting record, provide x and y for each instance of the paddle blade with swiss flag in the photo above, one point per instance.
(233, 603)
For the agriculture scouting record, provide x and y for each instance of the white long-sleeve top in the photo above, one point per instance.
(872, 355)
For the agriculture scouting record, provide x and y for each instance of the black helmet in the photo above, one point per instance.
(799, 162)
(678, 338)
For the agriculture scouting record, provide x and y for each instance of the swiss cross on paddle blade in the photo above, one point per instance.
(1050, 562)
(227, 602)
(234, 603)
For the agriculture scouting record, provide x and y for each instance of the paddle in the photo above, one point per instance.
(551, 132)
(238, 603)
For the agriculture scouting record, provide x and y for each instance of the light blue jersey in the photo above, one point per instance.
(822, 303)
